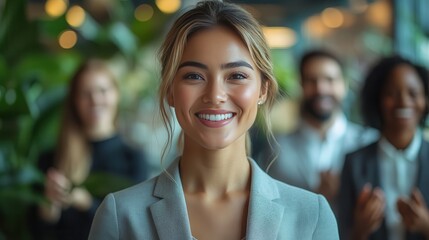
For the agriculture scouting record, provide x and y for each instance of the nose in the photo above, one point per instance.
(95, 97)
(322, 85)
(215, 92)
(404, 99)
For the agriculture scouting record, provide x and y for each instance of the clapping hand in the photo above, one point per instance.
(60, 193)
(57, 188)
(414, 212)
(369, 212)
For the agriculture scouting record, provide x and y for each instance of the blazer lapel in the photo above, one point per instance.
(422, 180)
(169, 213)
(372, 175)
(423, 170)
(171, 218)
(264, 215)
(372, 167)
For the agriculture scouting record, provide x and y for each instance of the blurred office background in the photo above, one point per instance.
(43, 41)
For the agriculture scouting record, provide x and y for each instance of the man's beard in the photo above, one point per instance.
(309, 106)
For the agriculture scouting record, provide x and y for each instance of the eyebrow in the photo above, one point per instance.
(236, 64)
(223, 66)
(193, 64)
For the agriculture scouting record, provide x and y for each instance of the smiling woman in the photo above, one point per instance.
(383, 194)
(216, 76)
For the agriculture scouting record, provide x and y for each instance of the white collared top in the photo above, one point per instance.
(326, 150)
(398, 175)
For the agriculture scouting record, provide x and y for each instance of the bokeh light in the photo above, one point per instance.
(332, 17)
(315, 27)
(67, 39)
(75, 16)
(380, 14)
(143, 12)
(279, 37)
(55, 8)
(168, 6)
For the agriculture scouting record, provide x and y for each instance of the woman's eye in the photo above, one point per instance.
(103, 90)
(414, 93)
(238, 76)
(193, 76)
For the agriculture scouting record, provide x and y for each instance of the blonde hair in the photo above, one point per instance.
(204, 15)
(73, 153)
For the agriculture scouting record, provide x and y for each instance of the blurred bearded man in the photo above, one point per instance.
(311, 157)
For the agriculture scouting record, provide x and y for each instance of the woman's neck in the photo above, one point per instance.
(399, 139)
(100, 132)
(215, 172)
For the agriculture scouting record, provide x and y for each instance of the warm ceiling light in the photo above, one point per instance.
(332, 17)
(279, 37)
(315, 28)
(168, 6)
(75, 16)
(143, 12)
(67, 39)
(55, 8)
(380, 14)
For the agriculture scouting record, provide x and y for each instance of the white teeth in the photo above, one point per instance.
(215, 117)
(404, 112)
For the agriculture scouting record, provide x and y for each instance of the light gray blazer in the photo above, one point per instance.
(156, 209)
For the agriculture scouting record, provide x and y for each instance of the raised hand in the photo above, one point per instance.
(81, 198)
(369, 212)
(414, 212)
(57, 189)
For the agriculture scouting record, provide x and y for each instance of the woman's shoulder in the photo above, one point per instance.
(285, 194)
(306, 212)
(138, 191)
(364, 153)
(125, 143)
(126, 209)
(135, 198)
(291, 195)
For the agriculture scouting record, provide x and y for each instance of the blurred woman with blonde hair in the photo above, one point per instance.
(88, 144)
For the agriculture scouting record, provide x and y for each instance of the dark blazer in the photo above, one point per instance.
(126, 165)
(362, 167)
(156, 209)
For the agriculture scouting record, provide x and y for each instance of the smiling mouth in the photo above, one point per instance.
(404, 112)
(215, 117)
